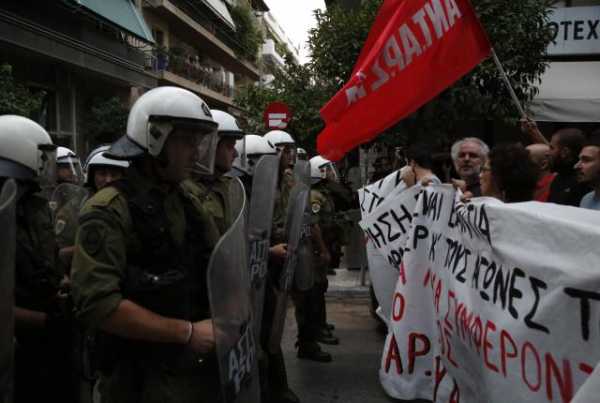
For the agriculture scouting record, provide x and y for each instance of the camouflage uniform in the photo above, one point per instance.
(213, 194)
(275, 378)
(137, 241)
(43, 364)
(334, 230)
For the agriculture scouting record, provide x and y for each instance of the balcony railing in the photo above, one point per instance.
(190, 68)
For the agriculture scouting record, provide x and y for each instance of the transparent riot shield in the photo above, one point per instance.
(229, 295)
(295, 221)
(260, 217)
(8, 197)
(237, 199)
(66, 203)
(305, 274)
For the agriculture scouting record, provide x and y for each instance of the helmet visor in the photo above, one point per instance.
(288, 153)
(329, 171)
(207, 149)
(69, 170)
(47, 166)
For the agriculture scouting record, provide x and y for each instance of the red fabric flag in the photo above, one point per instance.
(415, 50)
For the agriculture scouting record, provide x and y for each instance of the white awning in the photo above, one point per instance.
(569, 92)
(220, 9)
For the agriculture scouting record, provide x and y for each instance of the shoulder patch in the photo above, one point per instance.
(104, 197)
(316, 207)
(59, 226)
(92, 237)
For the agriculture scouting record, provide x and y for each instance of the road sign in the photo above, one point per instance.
(277, 116)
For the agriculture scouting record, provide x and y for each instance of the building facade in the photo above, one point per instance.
(84, 54)
(78, 53)
(196, 47)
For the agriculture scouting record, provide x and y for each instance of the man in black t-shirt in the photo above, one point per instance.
(565, 146)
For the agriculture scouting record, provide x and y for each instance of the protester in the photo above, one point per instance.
(541, 157)
(509, 174)
(468, 155)
(420, 162)
(382, 168)
(588, 171)
(565, 146)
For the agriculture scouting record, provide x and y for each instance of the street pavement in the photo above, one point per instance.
(352, 377)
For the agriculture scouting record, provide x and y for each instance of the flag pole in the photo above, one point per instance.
(508, 84)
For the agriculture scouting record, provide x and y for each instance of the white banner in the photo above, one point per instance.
(494, 302)
(383, 275)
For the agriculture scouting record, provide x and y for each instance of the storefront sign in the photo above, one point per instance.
(576, 31)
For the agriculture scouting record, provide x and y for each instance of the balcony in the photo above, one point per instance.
(205, 34)
(176, 68)
(269, 52)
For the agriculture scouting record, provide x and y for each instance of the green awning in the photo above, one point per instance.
(219, 8)
(122, 13)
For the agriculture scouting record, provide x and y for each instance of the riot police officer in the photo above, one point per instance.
(102, 170)
(334, 228)
(42, 369)
(279, 390)
(249, 150)
(139, 273)
(68, 167)
(302, 154)
(215, 191)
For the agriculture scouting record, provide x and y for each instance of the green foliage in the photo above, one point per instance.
(296, 86)
(337, 40)
(248, 36)
(106, 120)
(517, 29)
(15, 98)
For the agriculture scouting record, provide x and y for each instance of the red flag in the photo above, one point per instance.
(415, 50)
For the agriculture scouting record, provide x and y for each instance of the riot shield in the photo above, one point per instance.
(295, 221)
(260, 217)
(237, 198)
(305, 274)
(229, 294)
(66, 203)
(8, 197)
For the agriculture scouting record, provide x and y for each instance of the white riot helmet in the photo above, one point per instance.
(68, 166)
(283, 141)
(153, 118)
(321, 168)
(26, 151)
(302, 154)
(228, 125)
(98, 159)
(249, 150)
(279, 138)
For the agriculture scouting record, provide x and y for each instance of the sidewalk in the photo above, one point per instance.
(347, 283)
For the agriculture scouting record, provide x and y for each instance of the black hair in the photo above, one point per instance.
(572, 139)
(593, 139)
(513, 172)
(422, 154)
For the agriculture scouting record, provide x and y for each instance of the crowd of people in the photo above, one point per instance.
(112, 301)
(564, 171)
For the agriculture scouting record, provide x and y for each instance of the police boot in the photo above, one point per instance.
(326, 337)
(312, 351)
